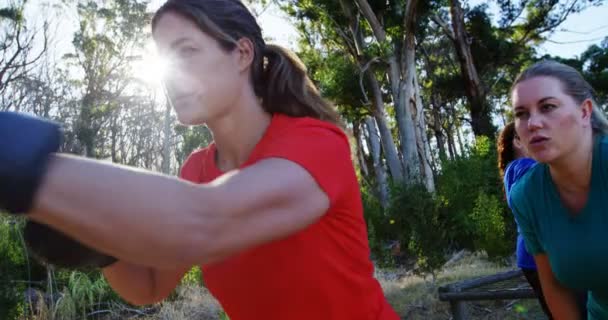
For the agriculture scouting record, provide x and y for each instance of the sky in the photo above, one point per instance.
(573, 37)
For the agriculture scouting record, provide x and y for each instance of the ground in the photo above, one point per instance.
(412, 296)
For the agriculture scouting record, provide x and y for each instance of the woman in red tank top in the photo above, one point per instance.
(271, 210)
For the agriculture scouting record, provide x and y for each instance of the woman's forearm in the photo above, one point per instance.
(134, 215)
(562, 303)
(140, 285)
(561, 300)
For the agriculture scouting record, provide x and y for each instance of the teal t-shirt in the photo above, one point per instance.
(577, 245)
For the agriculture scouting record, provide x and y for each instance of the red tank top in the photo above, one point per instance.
(321, 272)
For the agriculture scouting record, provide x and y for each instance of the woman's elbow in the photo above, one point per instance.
(203, 233)
(202, 247)
(134, 284)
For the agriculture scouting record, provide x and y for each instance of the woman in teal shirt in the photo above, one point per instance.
(560, 204)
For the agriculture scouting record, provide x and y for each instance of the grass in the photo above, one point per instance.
(413, 297)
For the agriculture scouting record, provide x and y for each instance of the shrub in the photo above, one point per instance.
(467, 211)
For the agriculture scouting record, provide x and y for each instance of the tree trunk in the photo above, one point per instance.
(435, 161)
(417, 154)
(424, 150)
(400, 81)
(166, 162)
(450, 140)
(113, 138)
(386, 137)
(404, 114)
(374, 143)
(481, 121)
(437, 127)
(461, 143)
(401, 76)
(361, 159)
(84, 127)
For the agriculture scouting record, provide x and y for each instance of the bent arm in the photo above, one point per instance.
(155, 220)
(561, 300)
(141, 285)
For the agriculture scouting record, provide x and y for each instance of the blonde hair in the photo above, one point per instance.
(574, 85)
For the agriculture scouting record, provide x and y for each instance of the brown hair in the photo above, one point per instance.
(505, 148)
(279, 77)
(573, 85)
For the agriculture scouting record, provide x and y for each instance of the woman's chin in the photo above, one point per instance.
(189, 120)
(543, 156)
(188, 114)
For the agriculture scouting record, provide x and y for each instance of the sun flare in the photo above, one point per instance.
(151, 67)
(149, 70)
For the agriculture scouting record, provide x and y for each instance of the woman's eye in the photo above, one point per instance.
(187, 50)
(548, 107)
(520, 114)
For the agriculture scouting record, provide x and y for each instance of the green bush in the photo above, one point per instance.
(419, 220)
(193, 277)
(489, 226)
(472, 191)
(467, 211)
(15, 269)
(378, 225)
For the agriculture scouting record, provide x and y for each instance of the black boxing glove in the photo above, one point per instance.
(52, 247)
(25, 145)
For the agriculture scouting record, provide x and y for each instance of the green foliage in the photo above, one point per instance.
(223, 316)
(466, 212)
(489, 226)
(17, 269)
(377, 226)
(84, 293)
(419, 224)
(192, 139)
(459, 185)
(593, 64)
(11, 13)
(13, 266)
(81, 292)
(193, 277)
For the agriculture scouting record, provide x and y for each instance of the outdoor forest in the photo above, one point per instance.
(422, 86)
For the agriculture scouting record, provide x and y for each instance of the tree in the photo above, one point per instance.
(105, 45)
(374, 35)
(490, 54)
(18, 54)
(593, 64)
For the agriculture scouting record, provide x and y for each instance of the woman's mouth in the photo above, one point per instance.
(180, 97)
(538, 140)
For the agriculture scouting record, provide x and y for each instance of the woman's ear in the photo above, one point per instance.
(246, 53)
(586, 111)
(520, 150)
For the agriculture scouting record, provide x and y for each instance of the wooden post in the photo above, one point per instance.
(459, 310)
(457, 294)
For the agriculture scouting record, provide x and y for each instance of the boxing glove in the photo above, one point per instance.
(25, 145)
(52, 247)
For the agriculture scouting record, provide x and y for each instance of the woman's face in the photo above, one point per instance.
(203, 80)
(549, 122)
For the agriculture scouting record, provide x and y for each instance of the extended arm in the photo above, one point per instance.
(156, 220)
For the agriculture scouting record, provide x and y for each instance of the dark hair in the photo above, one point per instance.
(573, 85)
(505, 148)
(279, 77)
